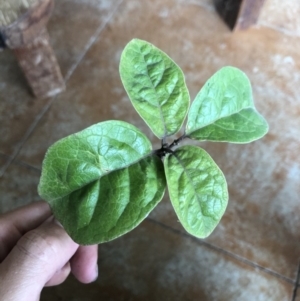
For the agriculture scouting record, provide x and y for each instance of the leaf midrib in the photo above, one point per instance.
(105, 174)
(154, 88)
(190, 180)
(237, 112)
(236, 130)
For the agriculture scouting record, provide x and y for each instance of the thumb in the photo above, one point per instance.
(35, 259)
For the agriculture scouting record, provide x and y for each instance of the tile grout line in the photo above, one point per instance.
(91, 42)
(228, 253)
(32, 127)
(296, 283)
(4, 155)
(21, 162)
(26, 136)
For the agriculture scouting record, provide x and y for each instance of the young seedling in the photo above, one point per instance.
(105, 180)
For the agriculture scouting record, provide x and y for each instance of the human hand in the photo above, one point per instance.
(35, 251)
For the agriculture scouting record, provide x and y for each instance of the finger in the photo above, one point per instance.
(35, 259)
(28, 217)
(15, 223)
(60, 276)
(84, 264)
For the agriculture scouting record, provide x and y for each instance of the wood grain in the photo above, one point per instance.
(249, 14)
(29, 40)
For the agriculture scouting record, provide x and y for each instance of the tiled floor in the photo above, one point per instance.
(254, 253)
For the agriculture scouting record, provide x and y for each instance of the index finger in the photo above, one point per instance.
(14, 224)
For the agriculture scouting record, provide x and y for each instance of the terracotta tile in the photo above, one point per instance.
(207, 4)
(69, 37)
(281, 15)
(17, 107)
(261, 222)
(3, 160)
(152, 263)
(18, 186)
(298, 295)
(72, 25)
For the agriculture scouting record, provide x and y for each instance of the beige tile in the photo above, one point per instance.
(18, 186)
(260, 223)
(152, 263)
(73, 23)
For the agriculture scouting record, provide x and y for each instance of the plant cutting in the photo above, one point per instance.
(105, 180)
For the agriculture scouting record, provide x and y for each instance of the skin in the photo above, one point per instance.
(35, 251)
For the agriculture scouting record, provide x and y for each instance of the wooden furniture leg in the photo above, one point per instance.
(249, 14)
(228, 10)
(239, 14)
(27, 37)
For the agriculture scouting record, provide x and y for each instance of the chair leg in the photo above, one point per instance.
(249, 14)
(228, 10)
(28, 38)
(239, 14)
(40, 66)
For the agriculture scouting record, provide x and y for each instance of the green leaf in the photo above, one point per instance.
(224, 110)
(197, 188)
(112, 205)
(79, 159)
(155, 86)
(242, 127)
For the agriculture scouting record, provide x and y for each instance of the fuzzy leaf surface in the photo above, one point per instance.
(197, 188)
(112, 205)
(79, 159)
(243, 127)
(155, 86)
(224, 110)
